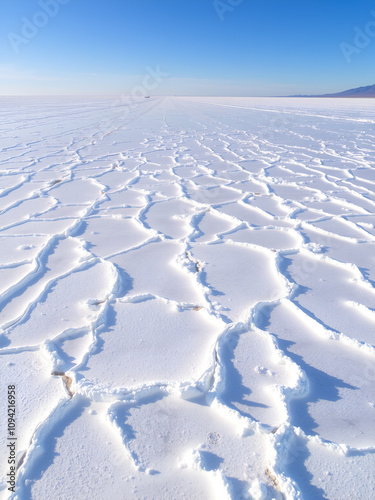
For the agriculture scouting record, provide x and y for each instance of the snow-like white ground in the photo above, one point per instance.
(188, 297)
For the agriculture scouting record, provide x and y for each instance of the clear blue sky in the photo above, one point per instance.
(207, 47)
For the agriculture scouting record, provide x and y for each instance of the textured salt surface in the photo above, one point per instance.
(188, 297)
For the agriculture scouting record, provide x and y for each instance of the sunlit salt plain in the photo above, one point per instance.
(188, 297)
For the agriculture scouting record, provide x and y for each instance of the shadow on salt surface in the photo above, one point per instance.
(215, 293)
(110, 323)
(298, 471)
(80, 231)
(210, 461)
(124, 282)
(4, 341)
(47, 444)
(321, 387)
(235, 391)
(366, 274)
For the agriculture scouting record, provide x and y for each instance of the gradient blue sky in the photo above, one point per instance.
(258, 47)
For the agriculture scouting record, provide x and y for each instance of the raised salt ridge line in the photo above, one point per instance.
(187, 298)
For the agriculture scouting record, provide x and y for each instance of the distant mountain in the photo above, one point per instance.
(368, 91)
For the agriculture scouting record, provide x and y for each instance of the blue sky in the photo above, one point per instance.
(186, 47)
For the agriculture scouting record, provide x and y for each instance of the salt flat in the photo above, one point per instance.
(188, 297)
